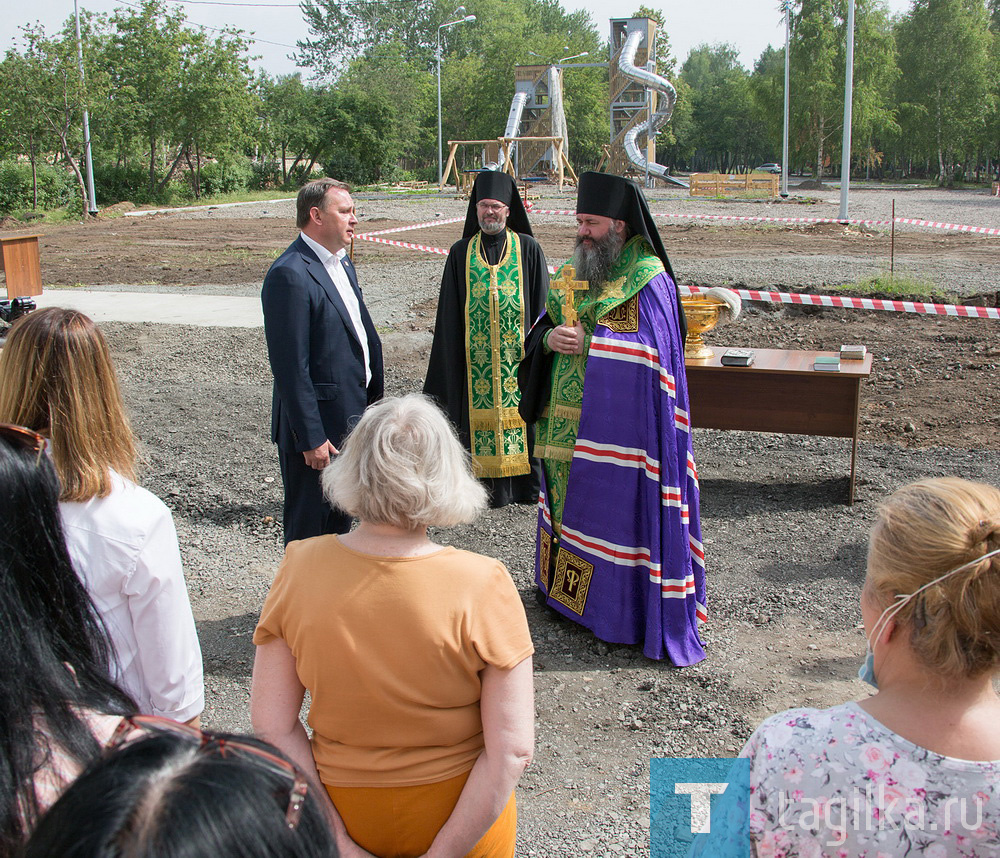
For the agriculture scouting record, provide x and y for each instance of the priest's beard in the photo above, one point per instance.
(594, 263)
(492, 224)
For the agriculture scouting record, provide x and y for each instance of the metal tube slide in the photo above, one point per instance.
(513, 124)
(665, 107)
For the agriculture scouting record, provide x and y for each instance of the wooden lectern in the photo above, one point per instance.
(19, 259)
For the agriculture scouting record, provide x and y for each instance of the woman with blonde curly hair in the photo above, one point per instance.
(416, 656)
(57, 378)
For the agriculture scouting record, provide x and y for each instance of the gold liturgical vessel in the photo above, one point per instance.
(702, 315)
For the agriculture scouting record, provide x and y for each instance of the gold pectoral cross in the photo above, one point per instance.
(567, 285)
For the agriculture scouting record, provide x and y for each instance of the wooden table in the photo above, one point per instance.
(19, 259)
(781, 392)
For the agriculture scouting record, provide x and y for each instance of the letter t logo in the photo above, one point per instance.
(700, 803)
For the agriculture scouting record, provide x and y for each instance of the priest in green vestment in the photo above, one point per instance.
(493, 289)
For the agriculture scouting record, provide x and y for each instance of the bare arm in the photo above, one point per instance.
(276, 696)
(508, 710)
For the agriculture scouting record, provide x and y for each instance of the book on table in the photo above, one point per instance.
(853, 352)
(827, 363)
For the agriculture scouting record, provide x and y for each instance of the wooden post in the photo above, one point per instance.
(452, 149)
(508, 164)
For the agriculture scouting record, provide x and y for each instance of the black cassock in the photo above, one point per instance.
(446, 378)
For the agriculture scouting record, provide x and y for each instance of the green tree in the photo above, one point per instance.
(817, 72)
(292, 112)
(358, 142)
(874, 120)
(367, 44)
(343, 29)
(55, 93)
(386, 76)
(767, 87)
(22, 131)
(217, 103)
(945, 58)
(726, 132)
(145, 60)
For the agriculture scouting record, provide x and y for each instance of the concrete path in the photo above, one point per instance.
(167, 309)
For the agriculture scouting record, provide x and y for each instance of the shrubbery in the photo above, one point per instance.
(114, 183)
(265, 175)
(226, 176)
(57, 187)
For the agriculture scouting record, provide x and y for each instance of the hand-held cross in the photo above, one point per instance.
(567, 285)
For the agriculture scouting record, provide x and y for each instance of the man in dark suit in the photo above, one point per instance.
(325, 354)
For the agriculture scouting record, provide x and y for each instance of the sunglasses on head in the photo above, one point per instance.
(24, 439)
(209, 743)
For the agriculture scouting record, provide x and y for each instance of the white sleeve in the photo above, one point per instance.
(165, 634)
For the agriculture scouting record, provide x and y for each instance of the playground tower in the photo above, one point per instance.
(537, 111)
(630, 99)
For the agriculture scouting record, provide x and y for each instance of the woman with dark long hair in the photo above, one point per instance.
(58, 705)
(57, 377)
(172, 791)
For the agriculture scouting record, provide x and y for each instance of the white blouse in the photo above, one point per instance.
(124, 548)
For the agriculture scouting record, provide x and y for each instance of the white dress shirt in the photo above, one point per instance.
(124, 548)
(334, 265)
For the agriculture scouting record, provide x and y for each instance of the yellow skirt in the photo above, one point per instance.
(401, 822)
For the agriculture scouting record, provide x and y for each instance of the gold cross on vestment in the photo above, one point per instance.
(567, 285)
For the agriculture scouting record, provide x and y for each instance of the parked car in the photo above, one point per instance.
(768, 168)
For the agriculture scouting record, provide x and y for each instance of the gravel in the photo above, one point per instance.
(786, 556)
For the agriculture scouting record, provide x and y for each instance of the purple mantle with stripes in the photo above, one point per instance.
(630, 565)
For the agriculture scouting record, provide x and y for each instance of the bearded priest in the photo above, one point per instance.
(618, 545)
(493, 288)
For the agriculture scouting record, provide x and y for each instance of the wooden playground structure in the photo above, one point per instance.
(491, 151)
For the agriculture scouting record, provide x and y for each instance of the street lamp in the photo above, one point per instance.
(575, 57)
(784, 134)
(91, 196)
(460, 11)
(845, 158)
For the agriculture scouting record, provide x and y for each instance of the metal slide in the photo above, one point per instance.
(668, 96)
(513, 123)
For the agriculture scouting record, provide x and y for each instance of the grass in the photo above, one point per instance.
(887, 285)
(238, 197)
(28, 216)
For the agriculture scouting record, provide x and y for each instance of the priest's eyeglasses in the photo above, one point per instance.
(210, 743)
(490, 207)
(23, 439)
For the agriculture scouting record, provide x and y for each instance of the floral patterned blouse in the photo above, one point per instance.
(836, 782)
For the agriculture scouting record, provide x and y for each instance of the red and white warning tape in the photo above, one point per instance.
(425, 248)
(955, 227)
(366, 235)
(859, 303)
(844, 301)
(932, 224)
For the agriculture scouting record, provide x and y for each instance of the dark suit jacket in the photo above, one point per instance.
(315, 355)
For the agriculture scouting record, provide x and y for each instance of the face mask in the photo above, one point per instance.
(866, 673)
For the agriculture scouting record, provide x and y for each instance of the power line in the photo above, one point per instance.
(250, 5)
(219, 30)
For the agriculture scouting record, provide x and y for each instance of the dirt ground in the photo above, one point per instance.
(785, 554)
(168, 250)
(953, 361)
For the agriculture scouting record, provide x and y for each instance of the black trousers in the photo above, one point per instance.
(306, 511)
